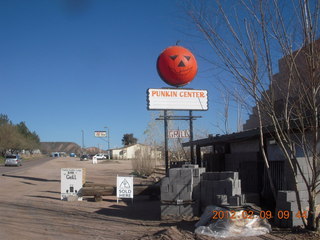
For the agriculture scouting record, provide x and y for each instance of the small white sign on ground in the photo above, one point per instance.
(71, 183)
(94, 160)
(124, 187)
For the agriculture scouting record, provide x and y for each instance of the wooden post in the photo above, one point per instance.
(191, 138)
(166, 153)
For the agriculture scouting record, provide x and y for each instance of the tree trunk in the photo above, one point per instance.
(311, 224)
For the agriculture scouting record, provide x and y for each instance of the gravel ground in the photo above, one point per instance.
(30, 208)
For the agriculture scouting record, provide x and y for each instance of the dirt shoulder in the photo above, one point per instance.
(31, 208)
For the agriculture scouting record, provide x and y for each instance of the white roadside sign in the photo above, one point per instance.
(94, 160)
(124, 187)
(100, 133)
(71, 183)
(177, 99)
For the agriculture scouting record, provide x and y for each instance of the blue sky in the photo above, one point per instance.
(68, 65)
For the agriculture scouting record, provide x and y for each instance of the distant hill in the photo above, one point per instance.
(67, 147)
(94, 150)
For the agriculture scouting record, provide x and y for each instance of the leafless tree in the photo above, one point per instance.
(248, 37)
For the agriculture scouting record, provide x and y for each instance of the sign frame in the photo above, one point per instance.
(177, 99)
(124, 187)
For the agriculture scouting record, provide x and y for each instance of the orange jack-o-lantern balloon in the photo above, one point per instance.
(177, 66)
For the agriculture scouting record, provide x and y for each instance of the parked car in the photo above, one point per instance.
(13, 160)
(100, 156)
(84, 157)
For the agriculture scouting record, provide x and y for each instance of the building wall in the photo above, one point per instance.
(246, 146)
(117, 153)
(280, 83)
(131, 151)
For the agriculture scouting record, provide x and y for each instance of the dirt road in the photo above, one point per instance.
(30, 205)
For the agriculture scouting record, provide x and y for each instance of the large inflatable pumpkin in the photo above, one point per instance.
(177, 66)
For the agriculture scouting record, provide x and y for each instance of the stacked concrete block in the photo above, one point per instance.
(235, 200)
(169, 211)
(251, 198)
(196, 173)
(166, 190)
(178, 211)
(287, 201)
(221, 199)
(180, 182)
(287, 204)
(221, 188)
(180, 192)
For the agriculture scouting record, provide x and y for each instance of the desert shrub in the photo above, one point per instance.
(144, 162)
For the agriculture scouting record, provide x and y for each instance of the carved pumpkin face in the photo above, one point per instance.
(177, 66)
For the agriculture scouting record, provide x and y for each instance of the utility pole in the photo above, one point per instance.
(108, 141)
(82, 140)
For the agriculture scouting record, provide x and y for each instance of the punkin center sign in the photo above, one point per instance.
(177, 99)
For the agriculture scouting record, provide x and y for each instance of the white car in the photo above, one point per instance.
(100, 156)
(13, 160)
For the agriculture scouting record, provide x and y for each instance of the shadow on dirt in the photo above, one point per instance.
(52, 192)
(45, 197)
(28, 183)
(31, 178)
(141, 209)
(91, 199)
(183, 224)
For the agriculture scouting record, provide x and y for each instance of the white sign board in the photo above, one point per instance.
(71, 182)
(100, 133)
(124, 187)
(178, 133)
(94, 160)
(177, 99)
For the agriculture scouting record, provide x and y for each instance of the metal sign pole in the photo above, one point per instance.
(166, 153)
(165, 117)
(117, 190)
(191, 137)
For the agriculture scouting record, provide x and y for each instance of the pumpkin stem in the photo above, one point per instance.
(177, 42)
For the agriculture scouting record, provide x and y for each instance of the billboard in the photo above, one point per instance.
(177, 99)
(100, 133)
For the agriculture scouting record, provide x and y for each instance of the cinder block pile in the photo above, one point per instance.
(287, 213)
(287, 201)
(221, 188)
(180, 192)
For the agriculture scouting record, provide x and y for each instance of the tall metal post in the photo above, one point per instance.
(166, 153)
(191, 137)
(82, 141)
(108, 141)
(108, 138)
(109, 144)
